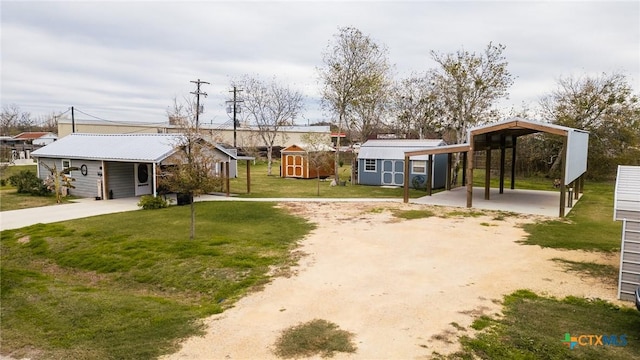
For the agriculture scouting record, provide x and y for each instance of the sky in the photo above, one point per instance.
(128, 60)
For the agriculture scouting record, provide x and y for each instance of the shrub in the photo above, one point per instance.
(149, 202)
(26, 182)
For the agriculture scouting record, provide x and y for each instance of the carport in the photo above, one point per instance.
(503, 136)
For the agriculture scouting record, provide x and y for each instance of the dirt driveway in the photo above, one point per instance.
(399, 285)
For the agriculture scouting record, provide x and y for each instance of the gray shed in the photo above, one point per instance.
(116, 165)
(381, 162)
(627, 209)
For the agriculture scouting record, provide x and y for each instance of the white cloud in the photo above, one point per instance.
(127, 60)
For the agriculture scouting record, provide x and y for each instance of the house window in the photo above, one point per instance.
(66, 164)
(370, 165)
(419, 167)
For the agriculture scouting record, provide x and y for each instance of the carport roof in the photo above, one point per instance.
(112, 147)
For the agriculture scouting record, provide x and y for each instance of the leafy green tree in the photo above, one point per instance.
(607, 107)
(355, 82)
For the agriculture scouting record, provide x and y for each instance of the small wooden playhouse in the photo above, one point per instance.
(297, 161)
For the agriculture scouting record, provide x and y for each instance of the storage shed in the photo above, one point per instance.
(627, 209)
(117, 165)
(297, 161)
(381, 162)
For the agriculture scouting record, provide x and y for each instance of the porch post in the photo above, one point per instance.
(430, 175)
(406, 179)
(487, 174)
(155, 180)
(449, 169)
(226, 166)
(248, 177)
(469, 171)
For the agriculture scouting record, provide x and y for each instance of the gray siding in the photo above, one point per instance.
(394, 175)
(120, 179)
(85, 186)
(629, 260)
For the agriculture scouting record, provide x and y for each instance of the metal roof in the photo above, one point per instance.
(627, 192)
(395, 149)
(112, 147)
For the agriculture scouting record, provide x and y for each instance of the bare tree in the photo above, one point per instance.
(415, 105)
(59, 179)
(318, 152)
(191, 169)
(13, 120)
(606, 107)
(271, 106)
(355, 76)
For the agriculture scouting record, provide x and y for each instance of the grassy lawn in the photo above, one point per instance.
(265, 186)
(128, 285)
(11, 200)
(534, 327)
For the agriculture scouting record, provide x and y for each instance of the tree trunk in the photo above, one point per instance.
(269, 159)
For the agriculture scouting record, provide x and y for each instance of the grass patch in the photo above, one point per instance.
(608, 273)
(464, 213)
(534, 327)
(589, 226)
(413, 214)
(130, 285)
(313, 338)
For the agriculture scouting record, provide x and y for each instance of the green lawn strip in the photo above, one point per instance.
(589, 226)
(129, 285)
(607, 273)
(534, 327)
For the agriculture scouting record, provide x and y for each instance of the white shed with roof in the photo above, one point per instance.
(115, 165)
(627, 209)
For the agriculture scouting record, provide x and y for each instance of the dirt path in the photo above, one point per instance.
(402, 286)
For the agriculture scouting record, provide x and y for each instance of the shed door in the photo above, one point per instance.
(294, 165)
(392, 172)
(143, 179)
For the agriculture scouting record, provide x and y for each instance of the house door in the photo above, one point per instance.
(294, 166)
(143, 177)
(392, 172)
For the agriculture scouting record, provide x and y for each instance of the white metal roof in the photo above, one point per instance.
(112, 147)
(395, 149)
(627, 192)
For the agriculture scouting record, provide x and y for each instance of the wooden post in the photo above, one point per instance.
(430, 175)
(502, 162)
(226, 176)
(563, 156)
(469, 171)
(487, 174)
(464, 167)
(406, 179)
(248, 176)
(447, 186)
(513, 163)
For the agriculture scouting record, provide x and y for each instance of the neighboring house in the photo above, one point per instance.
(626, 208)
(112, 166)
(36, 137)
(381, 162)
(296, 161)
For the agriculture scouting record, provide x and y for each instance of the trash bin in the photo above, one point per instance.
(184, 199)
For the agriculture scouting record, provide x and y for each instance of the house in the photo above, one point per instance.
(626, 208)
(112, 166)
(304, 161)
(36, 137)
(381, 162)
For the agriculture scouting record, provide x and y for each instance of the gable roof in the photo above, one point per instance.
(112, 147)
(302, 147)
(395, 149)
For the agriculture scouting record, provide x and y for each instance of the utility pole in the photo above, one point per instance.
(197, 93)
(236, 109)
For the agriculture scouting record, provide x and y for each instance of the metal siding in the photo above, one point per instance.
(120, 179)
(366, 177)
(86, 186)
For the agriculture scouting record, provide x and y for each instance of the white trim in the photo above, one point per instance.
(375, 165)
(424, 166)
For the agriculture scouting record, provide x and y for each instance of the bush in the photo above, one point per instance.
(26, 182)
(149, 202)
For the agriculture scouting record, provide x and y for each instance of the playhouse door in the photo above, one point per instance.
(143, 177)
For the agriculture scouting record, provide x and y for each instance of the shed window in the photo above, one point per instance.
(370, 165)
(66, 163)
(419, 167)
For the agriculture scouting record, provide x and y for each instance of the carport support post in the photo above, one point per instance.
(448, 180)
(563, 155)
(430, 175)
(464, 167)
(469, 171)
(502, 156)
(406, 179)
(513, 163)
(487, 174)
